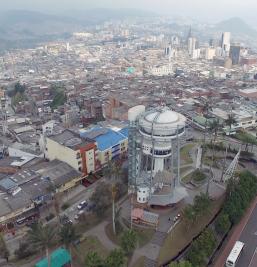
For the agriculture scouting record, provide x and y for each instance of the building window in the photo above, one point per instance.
(143, 199)
(79, 169)
(79, 162)
(139, 198)
(78, 156)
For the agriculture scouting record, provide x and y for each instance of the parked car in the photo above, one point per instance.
(82, 205)
(79, 214)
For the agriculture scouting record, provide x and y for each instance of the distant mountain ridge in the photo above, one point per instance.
(236, 26)
(24, 28)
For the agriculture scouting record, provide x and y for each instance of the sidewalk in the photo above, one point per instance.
(234, 236)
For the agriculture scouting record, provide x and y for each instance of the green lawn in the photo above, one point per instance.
(91, 243)
(144, 235)
(184, 154)
(87, 223)
(181, 236)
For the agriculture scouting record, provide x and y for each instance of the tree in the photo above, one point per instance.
(222, 223)
(58, 95)
(214, 127)
(230, 121)
(42, 237)
(101, 198)
(93, 260)
(115, 259)
(181, 264)
(129, 241)
(67, 236)
(4, 252)
(202, 248)
(55, 196)
(113, 172)
(206, 108)
(25, 250)
(19, 88)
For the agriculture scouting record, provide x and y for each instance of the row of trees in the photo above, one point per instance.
(117, 257)
(106, 194)
(42, 237)
(240, 193)
(202, 248)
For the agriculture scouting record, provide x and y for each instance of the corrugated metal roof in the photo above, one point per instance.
(106, 138)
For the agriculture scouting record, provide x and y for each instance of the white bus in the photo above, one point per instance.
(235, 254)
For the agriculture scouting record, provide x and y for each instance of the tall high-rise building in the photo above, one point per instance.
(234, 53)
(191, 45)
(225, 42)
(167, 50)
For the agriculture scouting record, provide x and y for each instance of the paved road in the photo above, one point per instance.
(244, 232)
(249, 237)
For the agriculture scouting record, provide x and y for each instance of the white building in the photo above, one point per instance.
(162, 70)
(191, 45)
(225, 43)
(210, 53)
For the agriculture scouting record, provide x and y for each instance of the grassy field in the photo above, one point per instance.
(144, 235)
(184, 154)
(181, 236)
(186, 179)
(89, 244)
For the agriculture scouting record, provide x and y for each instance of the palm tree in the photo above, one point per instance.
(230, 121)
(55, 195)
(67, 236)
(214, 127)
(114, 172)
(42, 237)
(206, 108)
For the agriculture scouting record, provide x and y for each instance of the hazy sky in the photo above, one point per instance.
(202, 9)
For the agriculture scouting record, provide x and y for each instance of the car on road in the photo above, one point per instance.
(82, 205)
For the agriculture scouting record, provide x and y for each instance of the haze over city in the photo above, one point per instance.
(198, 9)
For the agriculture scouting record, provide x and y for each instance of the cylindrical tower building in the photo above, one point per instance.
(157, 138)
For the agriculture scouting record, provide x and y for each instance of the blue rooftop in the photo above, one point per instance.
(106, 138)
(125, 132)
